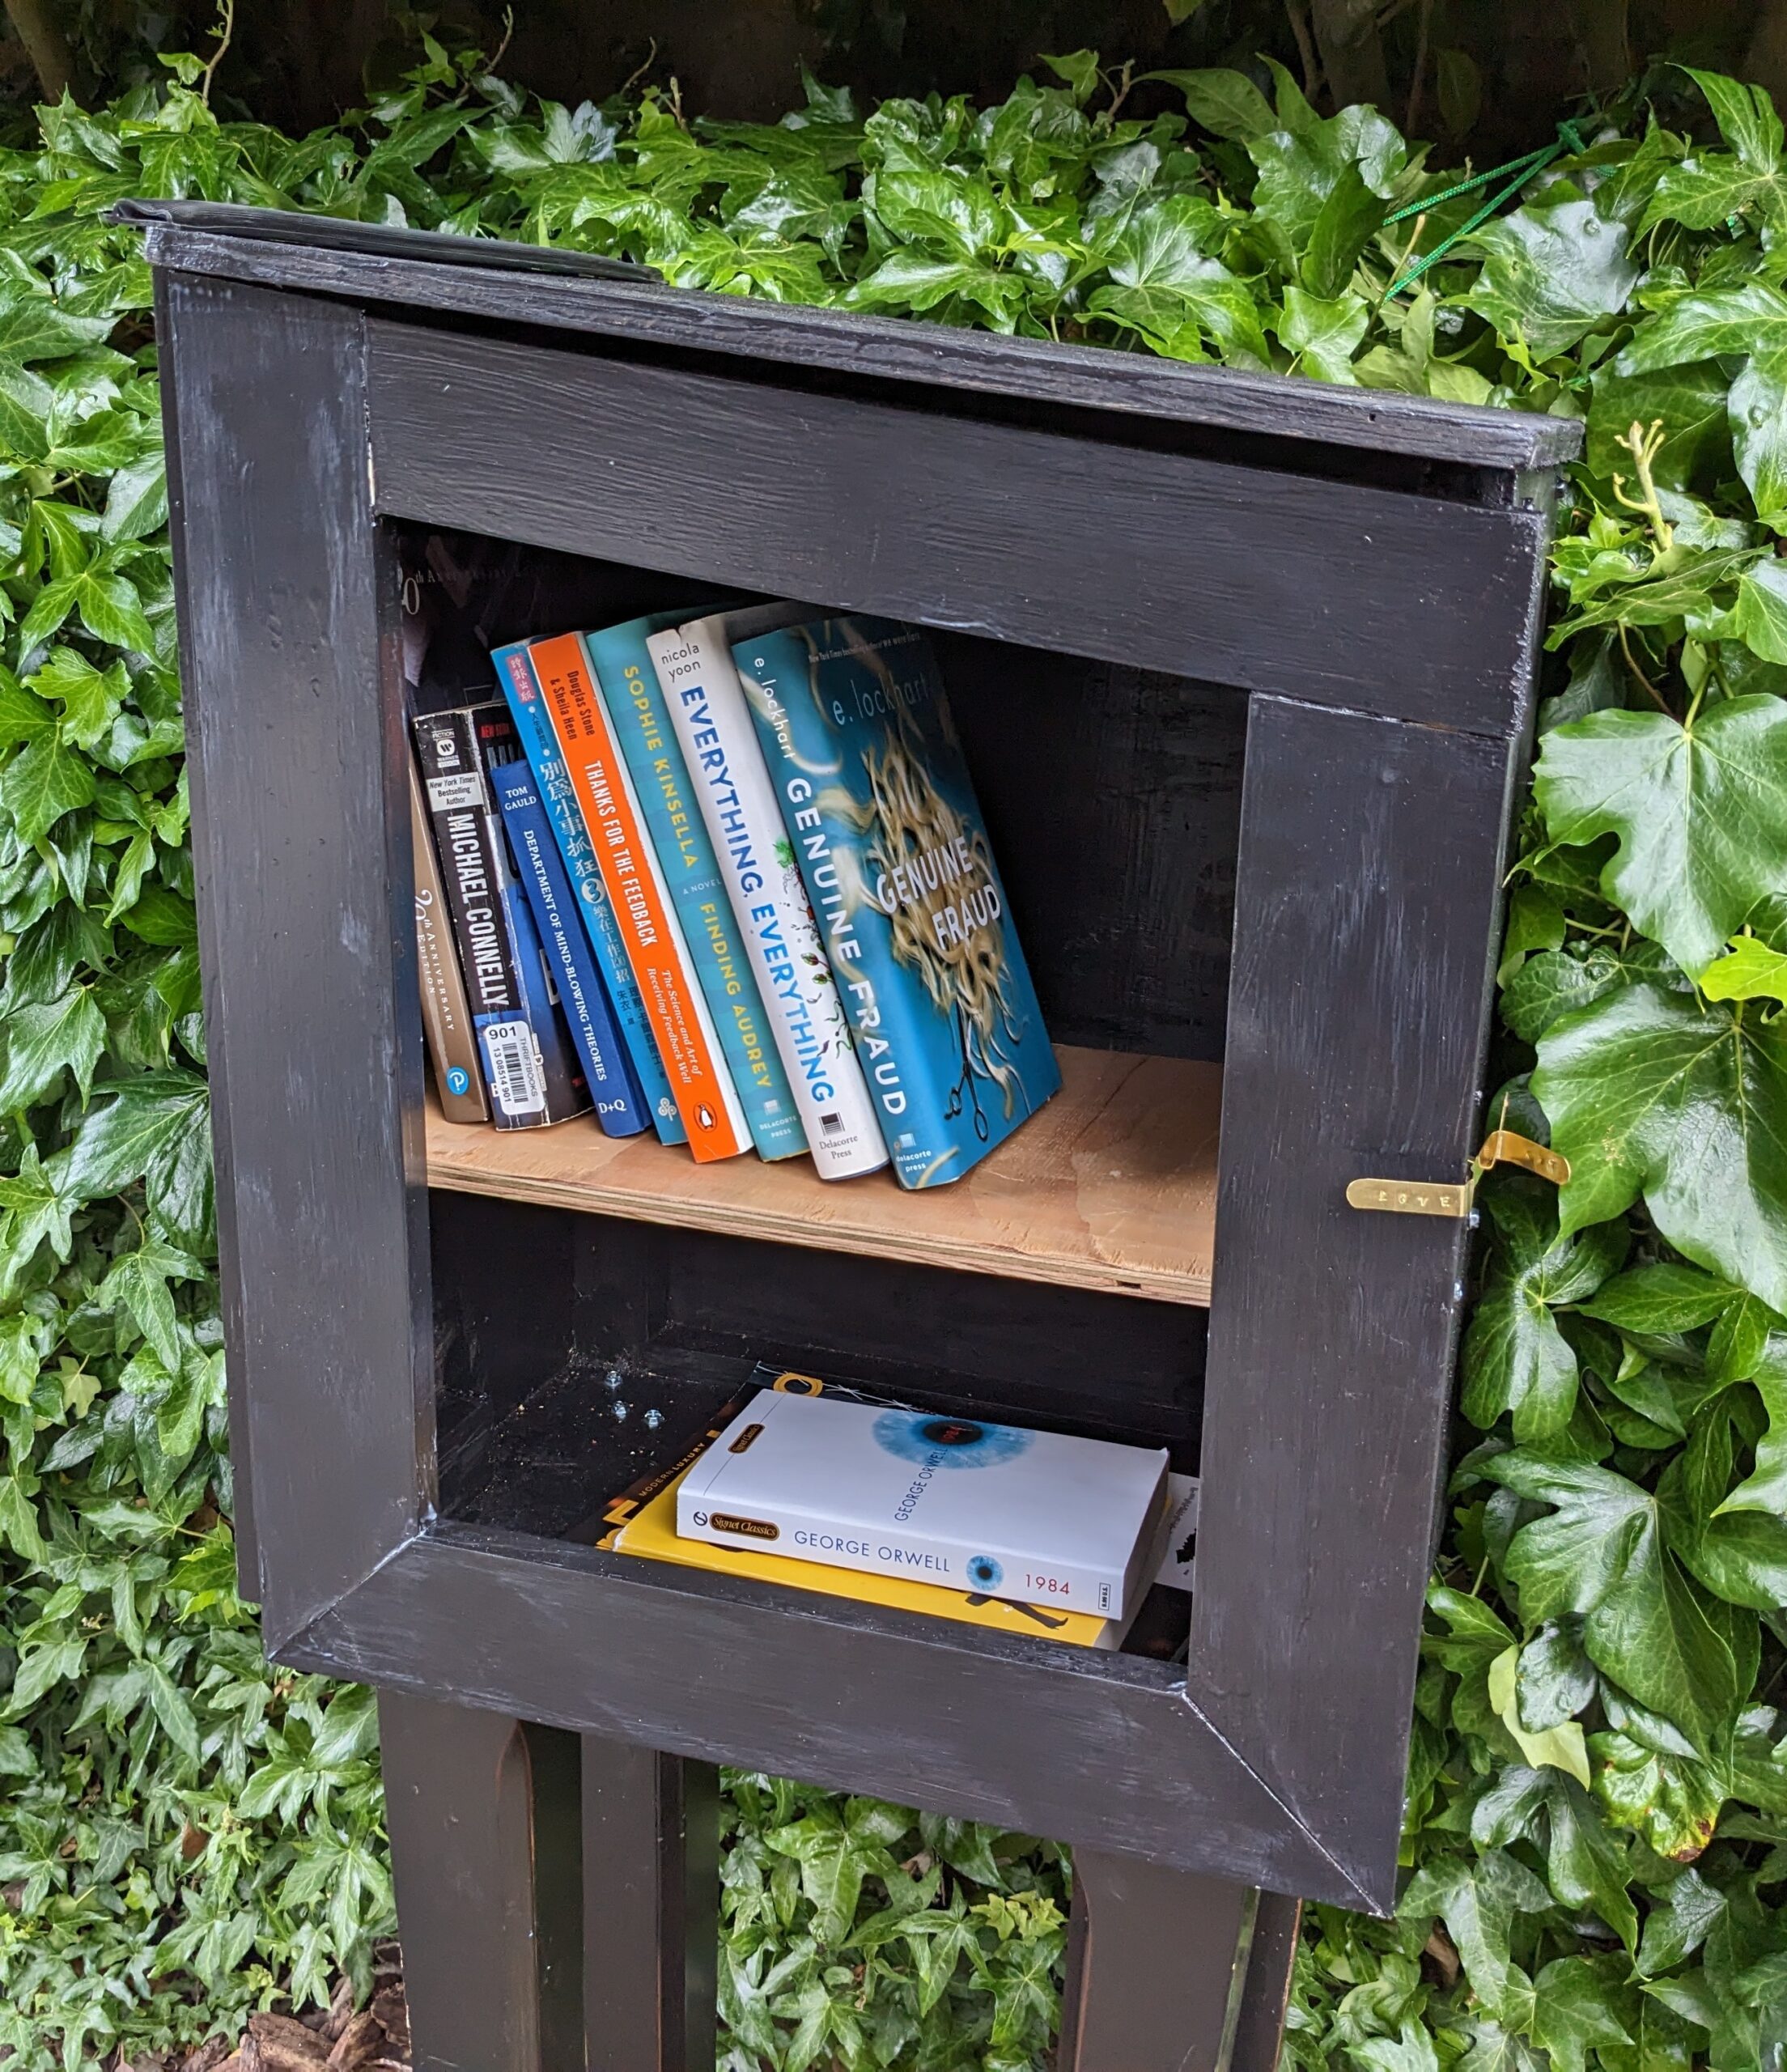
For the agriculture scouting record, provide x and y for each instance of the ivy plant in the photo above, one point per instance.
(1597, 1816)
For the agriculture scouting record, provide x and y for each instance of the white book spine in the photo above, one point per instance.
(743, 820)
(678, 942)
(879, 1550)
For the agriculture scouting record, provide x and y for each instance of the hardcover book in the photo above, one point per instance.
(857, 734)
(627, 685)
(620, 1107)
(1037, 1517)
(738, 805)
(446, 1012)
(687, 1041)
(533, 728)
(530, 1069)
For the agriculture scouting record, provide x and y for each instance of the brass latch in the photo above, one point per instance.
(1447, 1197)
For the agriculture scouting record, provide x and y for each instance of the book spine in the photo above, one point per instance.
(796, 745)
(619, 1107)
(627, 685)
(878, 1550)
(854, 722)
(446, 1012)
(467, 841)
(738, 806)
(687, 1043)
(534, 729)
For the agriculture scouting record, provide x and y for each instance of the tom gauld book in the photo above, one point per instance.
(858, 736)
(1038, 1517)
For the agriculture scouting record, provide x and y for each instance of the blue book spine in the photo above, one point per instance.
(620, 1103)
(533, 726)
(870, 773)
(627, 683)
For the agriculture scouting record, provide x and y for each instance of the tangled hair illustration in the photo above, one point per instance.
(906, 817)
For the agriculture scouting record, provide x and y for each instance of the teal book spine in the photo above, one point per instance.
(857, 732)
(539, 744)
(633, 699)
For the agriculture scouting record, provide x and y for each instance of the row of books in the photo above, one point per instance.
(723, 877)
(826, 1489)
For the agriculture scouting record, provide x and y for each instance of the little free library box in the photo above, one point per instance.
(1243, 669)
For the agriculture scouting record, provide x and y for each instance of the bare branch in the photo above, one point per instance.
(34, 23)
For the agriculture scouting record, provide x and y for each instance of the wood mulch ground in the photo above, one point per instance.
(334, 2039)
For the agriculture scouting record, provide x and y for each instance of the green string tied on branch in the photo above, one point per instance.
(1518, 172)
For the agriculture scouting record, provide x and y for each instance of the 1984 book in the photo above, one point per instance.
(1035, 1516)
(857, 733)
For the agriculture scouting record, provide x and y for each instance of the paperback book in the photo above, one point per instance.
(856, 731)
(687, 1041)
(446, 1012)
(531, 1071)
(540, 743)
(738, 804)
(642, 1521)
(619, 1106)
(627, 685)
(1038, 1517)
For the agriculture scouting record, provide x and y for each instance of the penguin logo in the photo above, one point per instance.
(705, 1116)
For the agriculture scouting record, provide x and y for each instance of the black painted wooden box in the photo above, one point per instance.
(1244, 666)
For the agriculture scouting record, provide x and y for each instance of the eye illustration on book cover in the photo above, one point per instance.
(857, 730)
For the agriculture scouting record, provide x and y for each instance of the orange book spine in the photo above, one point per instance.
(703, 1092)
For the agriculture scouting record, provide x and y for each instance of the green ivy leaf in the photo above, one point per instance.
(1700, 812)
(1601, 1555)
(1752, 971)
(1577, 2008)
(1226, 104)
(45, 1040)
(42, 781)
(1660, 1298)
(1479, 1902)
(1515, 1357)
(1551, 273)
(1646, 1092)
(1324, 335)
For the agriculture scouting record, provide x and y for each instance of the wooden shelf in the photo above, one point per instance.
(1112, 1186)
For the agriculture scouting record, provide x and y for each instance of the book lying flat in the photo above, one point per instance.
(1038, 1517)
(649, 1529)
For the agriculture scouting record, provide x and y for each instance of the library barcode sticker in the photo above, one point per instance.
(517, 1077)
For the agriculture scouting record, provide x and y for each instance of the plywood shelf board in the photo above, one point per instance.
(1112, 1186)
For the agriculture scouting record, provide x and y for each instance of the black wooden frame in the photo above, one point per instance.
(1367, 570)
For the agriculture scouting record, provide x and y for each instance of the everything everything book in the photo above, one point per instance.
(627, 685)
(688, 1043)
(620, 1108)
(531, 1070)
(725, 768)
(534, 729)
(857, 735)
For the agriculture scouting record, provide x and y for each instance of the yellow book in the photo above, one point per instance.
(643, 1522)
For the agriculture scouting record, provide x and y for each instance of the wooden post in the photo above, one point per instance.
(482, 1816)
(650, 1826)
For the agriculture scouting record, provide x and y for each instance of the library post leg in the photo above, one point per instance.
(558, 1895)
(1171, 1972)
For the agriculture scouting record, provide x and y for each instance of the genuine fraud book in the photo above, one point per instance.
(1035, 1516)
